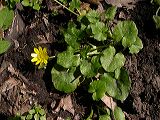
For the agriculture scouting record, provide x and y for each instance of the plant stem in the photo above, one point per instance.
(66, 7)
(51, 57)
(157, 11)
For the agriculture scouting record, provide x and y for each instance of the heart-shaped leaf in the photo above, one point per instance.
(99, 31)
(87, 69)
(117, 88)
(6, 18)
(111, 61)
(67, 58)
(125, 31)
(136, 47)
(64, 80)
(93, 16)
(98, 88)
(72, 35)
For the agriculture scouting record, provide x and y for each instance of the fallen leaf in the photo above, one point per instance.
(109, 102)
(17, 27)
(66, 104)
(8, 84)
(120, 3)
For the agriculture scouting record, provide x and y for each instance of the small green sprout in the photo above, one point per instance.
(40, 57)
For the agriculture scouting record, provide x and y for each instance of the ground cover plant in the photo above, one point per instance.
(90, 54)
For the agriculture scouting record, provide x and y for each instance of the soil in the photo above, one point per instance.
(22, 84)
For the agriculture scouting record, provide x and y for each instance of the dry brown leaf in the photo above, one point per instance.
(109, 102)
(8, 84)
(17, 27)
(66, 104)
(120, 3)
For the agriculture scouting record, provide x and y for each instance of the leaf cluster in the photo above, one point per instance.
(93, 55)
(36, 113)
(35, 4)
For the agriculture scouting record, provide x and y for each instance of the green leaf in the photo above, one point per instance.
(87, 69)
(74, 4)
(96, 62)
(125, 31)
(156, 2)
(157, 21)
(117, 73)
(72, 35)
(104, 117)
(25, 2)
(99, 31)
(110, 13)
(64, 80)
(118, 114)
(119, 88)
(84, 51)
(41, 112)
(98, 88)
(93, 16)
(36, 117)
(111, 85)
(29, 117)
(4, 45)
(111, 61)
(43, 118)
(32, 111)
(67, 58)
(136, 47)
(36, 6)
(6, 18)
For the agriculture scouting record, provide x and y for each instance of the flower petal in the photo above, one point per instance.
(34, 59)
(45, 61)
(36, 50)
(40, 49)
(45, 50)
(34, 55)
(38, 61)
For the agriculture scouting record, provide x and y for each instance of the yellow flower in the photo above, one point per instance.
(40, 57)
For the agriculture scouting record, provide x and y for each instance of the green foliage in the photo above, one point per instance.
(156, 17)
(72, 35)
(111, 61)
(104, 117)
(93, 55)
(98, 88)
(157, 21)
(4, 45)
(99, 31)
(87, 69)
(93, 16)
(35, 4)
(118, 114)
(67, 59)
(6, 18)
(110, 13)
(74, 4)
(156, 2)
(64, 80)
(36, 113)
(126, 32)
